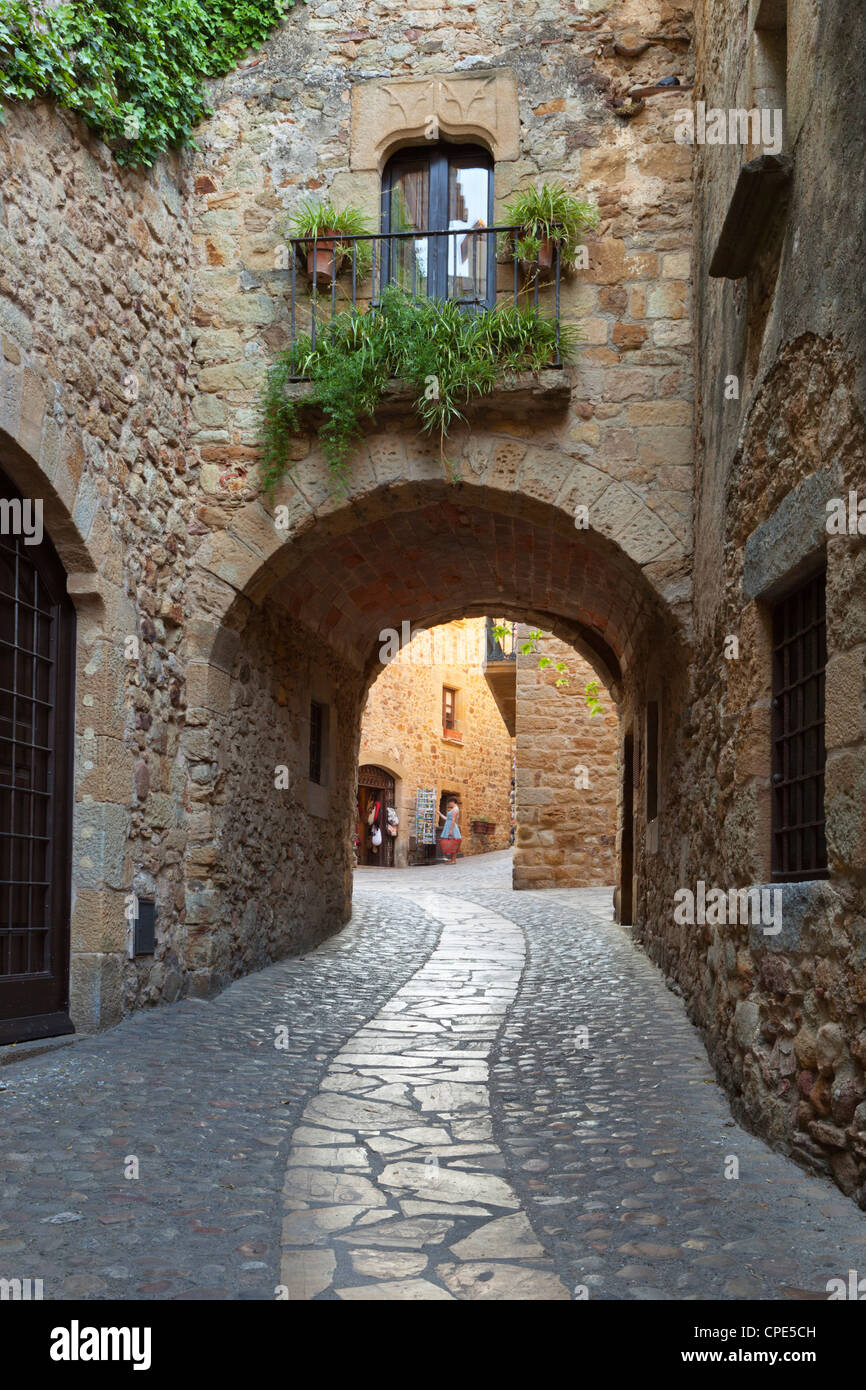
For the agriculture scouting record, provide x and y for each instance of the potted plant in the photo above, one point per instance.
(322, 225)
(546, 217)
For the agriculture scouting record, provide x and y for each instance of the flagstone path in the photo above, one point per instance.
(467, 1094)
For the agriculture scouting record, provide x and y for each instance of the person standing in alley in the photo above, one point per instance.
(449, 840)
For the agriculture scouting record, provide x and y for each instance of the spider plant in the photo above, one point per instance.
(326, 224)
(547, 216)
(448, 357)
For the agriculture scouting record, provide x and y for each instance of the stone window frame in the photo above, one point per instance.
(450, 678)
(480, 107)
(778, 555)
(449, 690)
(44, 458)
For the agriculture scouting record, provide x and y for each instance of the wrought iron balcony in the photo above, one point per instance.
(464, 266)
(500, 668)
(500, 646)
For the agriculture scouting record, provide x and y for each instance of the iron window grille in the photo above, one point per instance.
(37, 634)
(799, 661)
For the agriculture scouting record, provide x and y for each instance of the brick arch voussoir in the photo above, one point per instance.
(640, 563)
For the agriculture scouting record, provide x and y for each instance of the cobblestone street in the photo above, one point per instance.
(412, 1111)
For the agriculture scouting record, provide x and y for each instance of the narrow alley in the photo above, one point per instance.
(469, 1093)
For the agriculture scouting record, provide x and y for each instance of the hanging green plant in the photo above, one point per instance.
(447, 357)
(325, 251)
(530, 646)
(131, 71)
(546, 217)
(593, 703)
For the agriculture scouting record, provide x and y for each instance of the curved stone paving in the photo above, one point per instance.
(433, 1126)
(393, 1175)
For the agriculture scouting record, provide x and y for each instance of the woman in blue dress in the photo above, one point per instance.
(449, 840)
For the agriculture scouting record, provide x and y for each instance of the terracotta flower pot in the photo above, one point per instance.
(322, 257)
(546, 251)
(542, 264)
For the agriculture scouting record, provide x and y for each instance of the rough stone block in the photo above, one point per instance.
(783, 546)
(95, 990)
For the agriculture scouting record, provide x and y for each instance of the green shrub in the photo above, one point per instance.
(132, 69)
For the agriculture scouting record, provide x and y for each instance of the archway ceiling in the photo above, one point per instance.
(430, 556)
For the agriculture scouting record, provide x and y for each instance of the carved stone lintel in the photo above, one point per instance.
(480, 105)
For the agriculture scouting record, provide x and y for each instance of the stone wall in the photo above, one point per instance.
(785, 1014)
(306, 120)
(566, 774)
(95, 335)
(611, 435)
(267, 869)
(401, 731)
(140, 312)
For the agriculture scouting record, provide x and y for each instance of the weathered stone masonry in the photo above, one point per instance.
(784, 1016)
(567, 774)
(93, 290)
(151, 501)
(401, 731)
(138, 314)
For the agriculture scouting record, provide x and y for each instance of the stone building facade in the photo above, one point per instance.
(783, 1012)
(139, 312)
(567, 772)
(403, 732)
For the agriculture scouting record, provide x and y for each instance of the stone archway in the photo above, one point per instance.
(43, 462)
(298, 619)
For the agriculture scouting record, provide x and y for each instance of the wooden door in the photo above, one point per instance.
(375, 784)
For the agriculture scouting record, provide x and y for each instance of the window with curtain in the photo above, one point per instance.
(446, 189)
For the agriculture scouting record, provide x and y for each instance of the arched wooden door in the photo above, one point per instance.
(37, 672)
(375, 786)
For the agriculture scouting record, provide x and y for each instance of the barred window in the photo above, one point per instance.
(799, 659)
(37, 666)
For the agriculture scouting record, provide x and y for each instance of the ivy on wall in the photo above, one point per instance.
(132, 69)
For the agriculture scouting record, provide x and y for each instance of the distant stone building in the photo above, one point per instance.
(567, 772)
(503, 737)
(431, 723)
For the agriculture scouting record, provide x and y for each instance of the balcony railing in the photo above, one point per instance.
(501, 647)
(461, 266)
